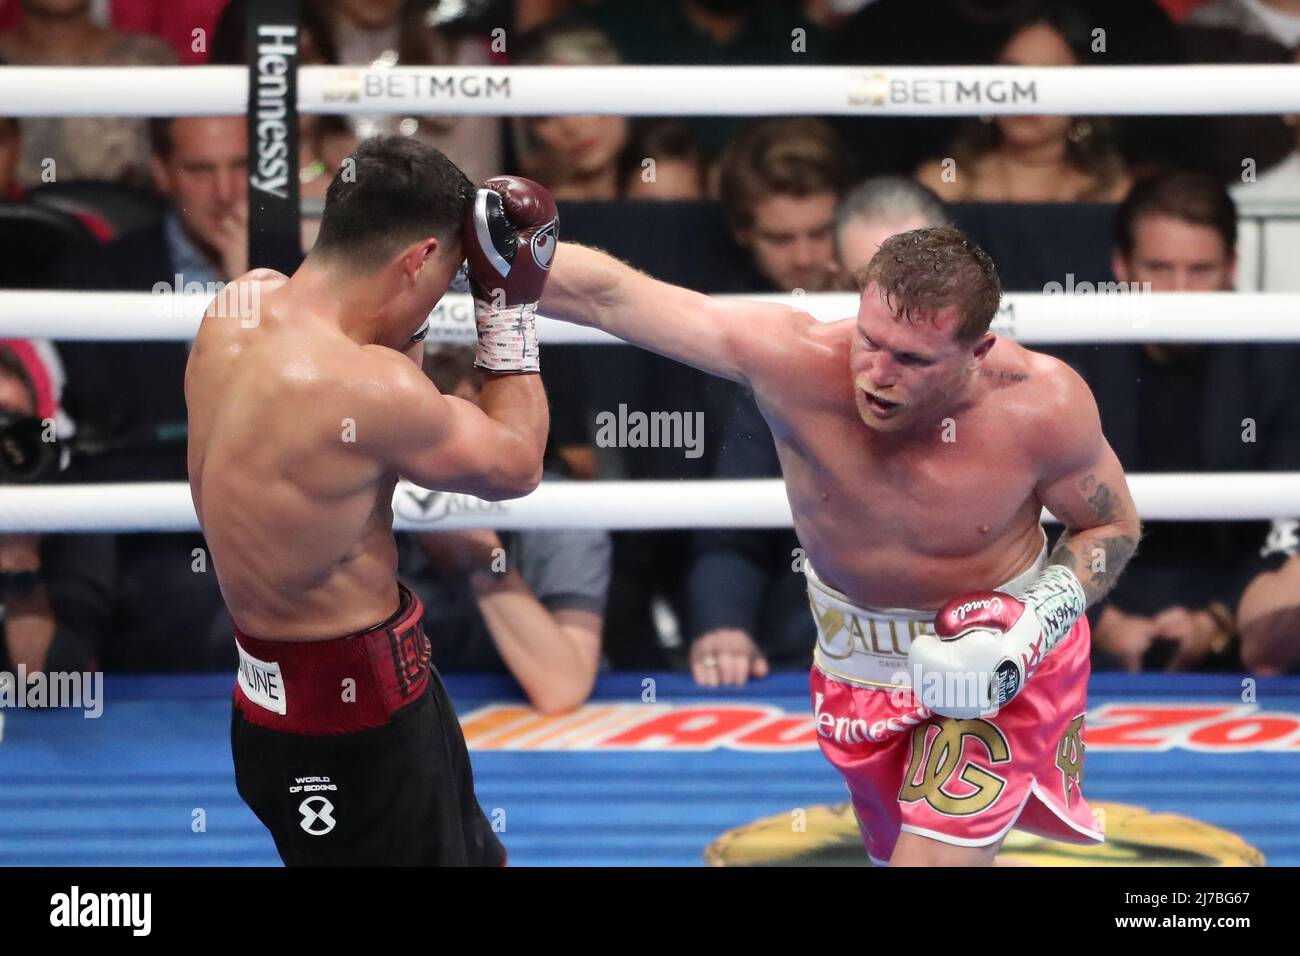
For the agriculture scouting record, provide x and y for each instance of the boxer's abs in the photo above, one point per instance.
(878, 571)
(914, 535)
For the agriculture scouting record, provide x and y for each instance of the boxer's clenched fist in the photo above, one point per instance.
(510, 239)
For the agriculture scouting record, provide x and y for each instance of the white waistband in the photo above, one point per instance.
(867, 646)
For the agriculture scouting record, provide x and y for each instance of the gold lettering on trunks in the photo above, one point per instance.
(1069, 759)
(938, 759)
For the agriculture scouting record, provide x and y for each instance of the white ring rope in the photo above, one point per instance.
(618, 505)
(666, 90)
(1034, 318)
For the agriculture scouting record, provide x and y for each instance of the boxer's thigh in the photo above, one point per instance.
(967, 782)
(871, 769)
(257, 758)
(964, 783)
(1056, 732)
(386, 796)
(478, 835)
(912, 849)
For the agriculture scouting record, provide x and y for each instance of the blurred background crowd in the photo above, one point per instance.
(719, 204)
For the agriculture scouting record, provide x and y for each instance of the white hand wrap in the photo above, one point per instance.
(507, 337)
(1057, 599)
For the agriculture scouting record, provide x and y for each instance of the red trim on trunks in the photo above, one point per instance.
(388, 665)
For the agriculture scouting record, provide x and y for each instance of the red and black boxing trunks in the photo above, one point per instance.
(350, 753)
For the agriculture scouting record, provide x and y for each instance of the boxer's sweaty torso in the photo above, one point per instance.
(909, 524)
(299, 523)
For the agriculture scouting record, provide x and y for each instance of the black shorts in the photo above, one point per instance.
(401, 794)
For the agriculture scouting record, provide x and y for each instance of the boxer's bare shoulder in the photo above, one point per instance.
(241, 298)
(767, 341)
(806, 361)
(1079, 479)
(401, 405)
(263, 275)
(1034, 389)
(1059, 414)
(270, 374)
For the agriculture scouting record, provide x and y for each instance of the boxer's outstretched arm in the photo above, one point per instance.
(1083, 484)
(735, 340)
(492, 450)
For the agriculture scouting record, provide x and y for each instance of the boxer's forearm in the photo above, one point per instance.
(588, 287)
(1097, 556)
(582, 287)
(592, 288)
(518, 402)
(549, 662)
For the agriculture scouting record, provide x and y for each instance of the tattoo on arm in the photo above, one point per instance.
(1096, 562)
(1097, 556)
(1104, 503)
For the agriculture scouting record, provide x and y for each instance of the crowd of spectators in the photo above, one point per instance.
(725, 205)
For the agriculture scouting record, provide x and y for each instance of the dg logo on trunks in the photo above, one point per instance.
(944, 777)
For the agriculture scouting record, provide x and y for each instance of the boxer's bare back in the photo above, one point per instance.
(896, 507)
(298, 432)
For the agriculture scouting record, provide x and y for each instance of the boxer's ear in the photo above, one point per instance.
(981, 348)
(417, 256)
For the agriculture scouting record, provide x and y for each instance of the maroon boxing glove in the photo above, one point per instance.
(510, 239)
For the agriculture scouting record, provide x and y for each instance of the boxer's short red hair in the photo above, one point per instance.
(926, 270)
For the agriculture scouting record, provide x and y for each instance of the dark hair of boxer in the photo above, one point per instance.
(392, 191)
(798, 157)
(926, 270)
(1197, 198)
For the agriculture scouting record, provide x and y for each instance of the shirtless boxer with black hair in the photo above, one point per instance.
(918, 449)
(305, 407)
